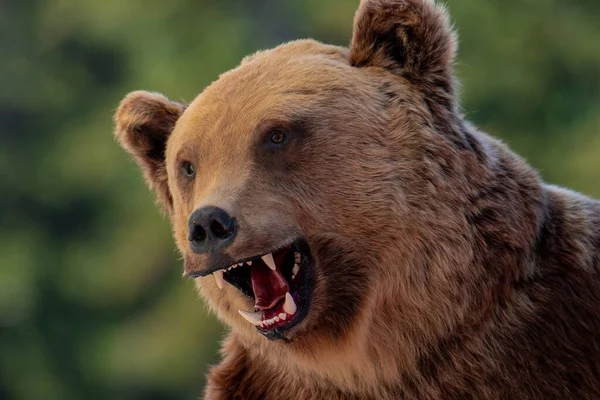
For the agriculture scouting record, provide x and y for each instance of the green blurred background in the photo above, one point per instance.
(92, 304)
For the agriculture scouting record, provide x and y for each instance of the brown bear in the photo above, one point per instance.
(360, 238)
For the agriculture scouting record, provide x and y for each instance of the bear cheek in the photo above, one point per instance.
(179, 222)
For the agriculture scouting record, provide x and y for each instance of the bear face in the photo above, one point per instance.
(348, 224)
(327, 197)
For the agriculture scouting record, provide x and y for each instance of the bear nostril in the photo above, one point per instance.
(220, 230)
(197, 234)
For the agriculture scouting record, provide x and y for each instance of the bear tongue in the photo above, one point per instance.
(269, 286)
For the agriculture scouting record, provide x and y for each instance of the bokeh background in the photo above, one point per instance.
(92, 303)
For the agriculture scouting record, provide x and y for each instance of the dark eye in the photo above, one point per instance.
(278, 137)
(188, 169)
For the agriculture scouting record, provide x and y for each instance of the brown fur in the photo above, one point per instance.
(445, 269)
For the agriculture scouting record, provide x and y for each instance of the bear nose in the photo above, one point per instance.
(211, 228)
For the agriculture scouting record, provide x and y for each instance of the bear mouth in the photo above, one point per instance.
(279, 284)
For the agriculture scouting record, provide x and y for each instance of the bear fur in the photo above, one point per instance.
(444, 268)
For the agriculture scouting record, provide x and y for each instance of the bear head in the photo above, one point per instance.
(317, 189)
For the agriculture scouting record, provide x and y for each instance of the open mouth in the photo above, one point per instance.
(279, 283)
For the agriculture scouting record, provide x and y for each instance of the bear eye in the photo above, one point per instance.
(188, 169)
(278, 137)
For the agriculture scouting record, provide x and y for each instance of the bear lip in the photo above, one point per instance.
(223, 263)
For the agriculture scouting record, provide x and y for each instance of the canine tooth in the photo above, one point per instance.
(252, 317)
(268, 259)
(297, 258)
(249, 262)
(240, 264)
(282, 316)
(219, 278)
(289, 306)
(295, 269)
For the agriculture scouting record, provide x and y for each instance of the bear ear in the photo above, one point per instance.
(412, 38)
(144, 121)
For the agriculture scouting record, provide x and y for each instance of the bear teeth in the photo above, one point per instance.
(252, 317)
(289, 306)
(268, 260)
(218, 274)
(219, 278)
(255, 318)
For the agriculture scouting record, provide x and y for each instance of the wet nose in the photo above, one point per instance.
(211, 228)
